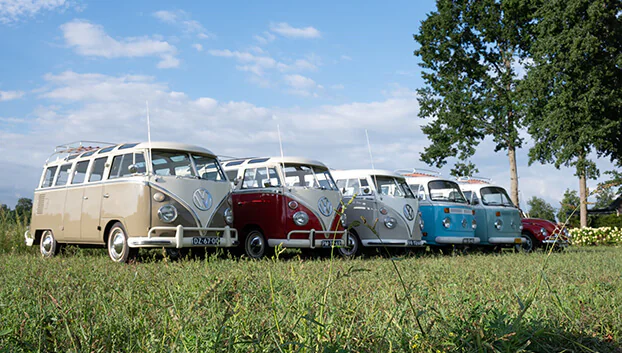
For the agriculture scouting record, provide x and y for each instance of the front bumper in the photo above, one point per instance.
(311, 242)
(506, 240)
(29, 240)
(394, 242)
(228, 238)
(556, 242)
(457, 240)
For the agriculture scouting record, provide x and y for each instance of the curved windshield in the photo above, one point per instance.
(495, 196)
(183, 164)
(445, 190)
(310, 176)
(391, 186)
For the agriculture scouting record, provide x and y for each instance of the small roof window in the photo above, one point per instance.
(258, 160)
(73, 156)
(107, 149)
(128, 145)
(234, 163)
(90, 153)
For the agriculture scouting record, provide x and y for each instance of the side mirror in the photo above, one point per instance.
(132, 168)
(475, 202)
(236, 181)
(367, 191)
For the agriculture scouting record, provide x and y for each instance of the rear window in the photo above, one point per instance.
(49, 177)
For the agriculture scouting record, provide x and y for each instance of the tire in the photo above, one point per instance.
(48, 245)
(353, 246)
(255, 245)
(528, 246)
(118, 248)
(177, 254)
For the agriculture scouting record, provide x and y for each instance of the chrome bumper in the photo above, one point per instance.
(311, 242)
(457, 240)
(29, 240)
(228, 238)
(506, 240)
(394, 242)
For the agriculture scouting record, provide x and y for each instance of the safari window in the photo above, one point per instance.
(49, 177)
(63, 175)
(120, 165)
(79, 175)
(97, 172)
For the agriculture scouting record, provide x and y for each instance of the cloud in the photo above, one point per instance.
(10, 95)
(288, 31)
(301, 85)
(265, 38)
(12, 11)
(182, 19)
(346, 58)
(259, 64)
(197, 46)
(90, 39)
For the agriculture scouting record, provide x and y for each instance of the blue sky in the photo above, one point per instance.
(223, 75)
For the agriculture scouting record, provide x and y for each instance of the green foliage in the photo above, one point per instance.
(572, 91)
(538, 208)
(596, 236)
(604, 197)
(84, 303)
(23, 208)
(610, 220)
(463, 170)
(568, 205)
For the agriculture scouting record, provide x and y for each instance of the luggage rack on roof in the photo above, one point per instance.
(418, 172)
(474, 180)
(77, 147)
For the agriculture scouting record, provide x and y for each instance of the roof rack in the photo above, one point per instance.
(474, 180)
(418, 172)
(77, 147)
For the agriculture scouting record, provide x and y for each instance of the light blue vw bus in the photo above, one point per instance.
(498, 219)
(447, 216)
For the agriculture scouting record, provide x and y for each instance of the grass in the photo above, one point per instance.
(80, 301)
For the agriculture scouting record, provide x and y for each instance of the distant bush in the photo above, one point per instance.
(596, 236)
(610, 220)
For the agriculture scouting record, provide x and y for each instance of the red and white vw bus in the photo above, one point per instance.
(288, 201)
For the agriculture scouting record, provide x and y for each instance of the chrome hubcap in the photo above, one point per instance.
(46, 243)
(118, 241)
(351, 248)
(255, 245)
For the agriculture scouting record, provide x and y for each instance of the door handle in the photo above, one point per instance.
(106, 196)
(85, 197)
(240, 203)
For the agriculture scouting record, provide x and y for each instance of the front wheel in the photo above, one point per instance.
(118, 248)
(255, 245)
(48, 245)
(353, 246)
(528, 246)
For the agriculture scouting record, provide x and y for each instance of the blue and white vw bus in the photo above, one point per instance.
(447, 216)
(498, 219)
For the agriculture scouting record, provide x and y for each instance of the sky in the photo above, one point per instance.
(225, 76)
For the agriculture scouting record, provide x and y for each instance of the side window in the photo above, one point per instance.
(97, 172)
(231, 174)
(274, 177)
(63, 175)
(120, 165)
(49, 177)
(364, 182)
(341, 185)
(139, 160)
(352, 187)
(79, 174)
(250, 180)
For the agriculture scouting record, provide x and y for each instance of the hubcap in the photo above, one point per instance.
(46, 244)
(255, 245)
(118, 241)
(351, 248)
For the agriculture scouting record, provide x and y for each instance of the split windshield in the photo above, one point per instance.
(391, 186)
(188, 165)
(310, 176)
(495, 196)
(445, 190)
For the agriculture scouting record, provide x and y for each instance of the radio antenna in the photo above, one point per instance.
(278, 129)
(371, 158)
(148, 135)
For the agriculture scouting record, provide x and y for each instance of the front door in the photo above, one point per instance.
(92, 202)
(258, 200)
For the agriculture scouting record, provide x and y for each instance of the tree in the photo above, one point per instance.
(538, 208)
(24, 208)
(604, 196)
(469, 50)
(568, 206)
(572, 91)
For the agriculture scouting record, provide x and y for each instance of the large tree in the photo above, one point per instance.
(470, 51)
(573, 94)
(539, 208)
(568, 207)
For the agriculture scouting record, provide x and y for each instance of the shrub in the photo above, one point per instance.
(596, 236)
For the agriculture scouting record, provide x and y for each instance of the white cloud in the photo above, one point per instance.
(265, 38)
(346, 58)
(10, 95)
(288, 31)
(12, 11)
(337, 86)
(301, 85)
(90, 39)
(259, 64)
(182, 19)
(197, 46)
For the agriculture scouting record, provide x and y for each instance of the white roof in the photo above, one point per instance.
(423, 179)
(358, 173)
(477, 187)
(268, 161)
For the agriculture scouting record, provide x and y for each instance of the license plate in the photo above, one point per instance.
(518, 240)
(329, 243)
(205, 241)
(468, 241)
(412, 242)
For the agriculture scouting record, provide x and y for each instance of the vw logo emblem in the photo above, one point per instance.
(202, 199)
(464, 223)
(326, 208)
(409, 213)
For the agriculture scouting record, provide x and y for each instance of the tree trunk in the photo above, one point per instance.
(583, 197)
(513, 175)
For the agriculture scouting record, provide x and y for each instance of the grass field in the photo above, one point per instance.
(82, 302)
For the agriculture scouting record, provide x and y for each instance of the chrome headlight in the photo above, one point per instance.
(498, 224)
(390, 222)
(474, 224)
(344, 220)
(544, 232)
(228, 216)
(446, 222)
(521, 226)
(167, 213)
(301, 218)
(421, 223)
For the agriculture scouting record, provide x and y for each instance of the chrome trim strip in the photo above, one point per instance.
(102, 182)
(456, 240)
(505, 240)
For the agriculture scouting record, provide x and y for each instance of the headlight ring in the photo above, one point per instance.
(446, 222)
(228, 216)
(390, 222)
(167, 213)
(301, 218)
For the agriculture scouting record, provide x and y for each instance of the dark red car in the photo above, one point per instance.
(540, 233)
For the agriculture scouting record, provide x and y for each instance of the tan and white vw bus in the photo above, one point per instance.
(104, 194)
